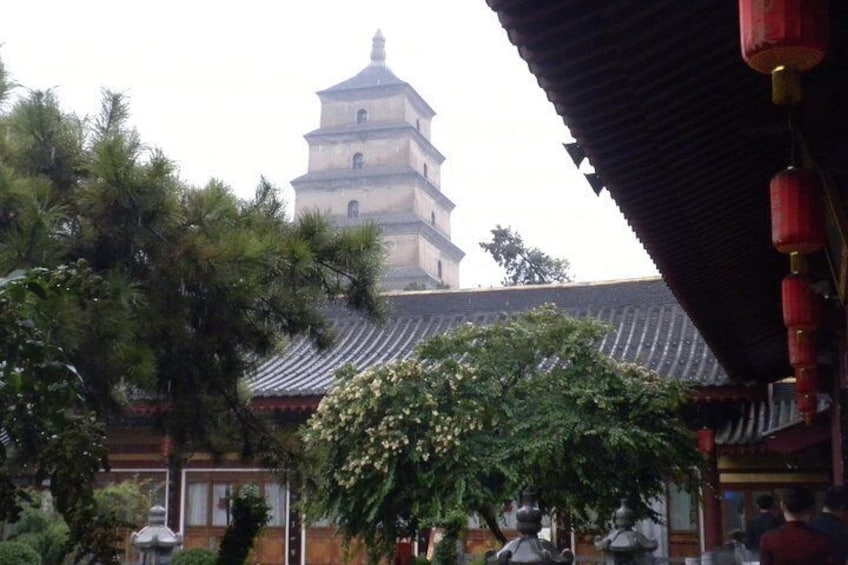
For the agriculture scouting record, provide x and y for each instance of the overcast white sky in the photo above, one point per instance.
(227, 90)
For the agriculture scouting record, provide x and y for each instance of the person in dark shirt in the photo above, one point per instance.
(831, 521)
(795, 542)
(767, 519)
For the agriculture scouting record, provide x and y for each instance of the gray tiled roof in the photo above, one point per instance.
(759, 420)
(372, 76)
(650, 328)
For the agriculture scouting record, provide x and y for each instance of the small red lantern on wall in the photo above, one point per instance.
(791, 33)
(807, 380)
(706, 441)
(802, 349)
(801, 306)
(166, 446)
(797, 216)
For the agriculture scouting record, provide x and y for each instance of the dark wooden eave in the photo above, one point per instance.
(683, 135)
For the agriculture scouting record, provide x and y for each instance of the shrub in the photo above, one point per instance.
(16, 553)
(48, 543)
(250, 513)
(195, 557)
(40, 527)
(445, 551)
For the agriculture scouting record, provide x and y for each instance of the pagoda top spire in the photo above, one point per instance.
(378, 50)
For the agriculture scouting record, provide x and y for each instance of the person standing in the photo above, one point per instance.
(767, 519)
(831, 521)
(795, 542)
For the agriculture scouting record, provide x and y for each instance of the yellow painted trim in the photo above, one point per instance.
(813, 477)
(767, 463)
(208, 457)
(133, 457)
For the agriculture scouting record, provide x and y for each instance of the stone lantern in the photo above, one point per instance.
(623, 546)
(528, 549)
(156, 542)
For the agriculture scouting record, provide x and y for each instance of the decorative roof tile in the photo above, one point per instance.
(650, 328)
(757, 421)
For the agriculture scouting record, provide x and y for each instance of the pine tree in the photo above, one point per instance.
(524, 264)
(175, 293)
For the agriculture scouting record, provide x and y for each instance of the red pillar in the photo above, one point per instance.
(712, 506)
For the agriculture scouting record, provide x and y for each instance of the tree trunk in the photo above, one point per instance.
(488, 515)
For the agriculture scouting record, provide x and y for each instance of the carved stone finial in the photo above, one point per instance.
(529, 516)
(378, 49)
(529, 548)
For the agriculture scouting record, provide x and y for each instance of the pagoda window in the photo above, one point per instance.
(433, 218)
(353, 209)
(439, 269)
(362, 116)
(425, 170)
(417, 124)
(358, 160)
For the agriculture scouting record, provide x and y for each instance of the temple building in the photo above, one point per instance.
(371, 160)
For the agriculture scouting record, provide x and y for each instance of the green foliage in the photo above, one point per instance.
(195, 557)
(481, 413)
(445, 552)
(5, 83)
(37, 378)
(16, 553)
(524, 264)
(127, 502)
(40, 527)
(126, 279)
(250, 513)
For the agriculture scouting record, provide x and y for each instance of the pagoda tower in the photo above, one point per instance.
(371, 160)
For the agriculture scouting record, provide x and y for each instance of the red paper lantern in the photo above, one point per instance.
(807, 405)
(797, 216)
(801, 306)
(802, 349)
(791, 33)
(166, 446)
(706, 441)
(807, 380)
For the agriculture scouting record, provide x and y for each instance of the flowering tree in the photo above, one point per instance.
(481, 413)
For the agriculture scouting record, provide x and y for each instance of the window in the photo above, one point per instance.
(425, 170)
(221, 504)
(358, 160)
(208, 500)
(362, 116)
(682, 510)
(432, 218)
(353, 209)
(275, 495)
(198, 498)
(733, 511)
(418, 124)
(439, 269)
